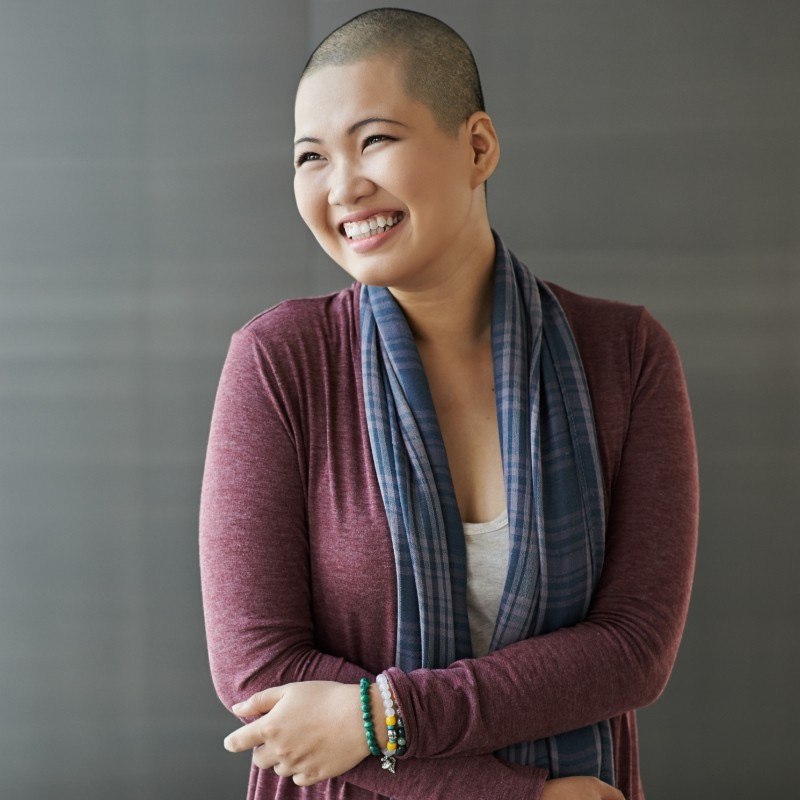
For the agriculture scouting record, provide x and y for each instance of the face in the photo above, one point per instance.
(390, 196)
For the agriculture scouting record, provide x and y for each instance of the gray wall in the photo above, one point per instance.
(651, 153)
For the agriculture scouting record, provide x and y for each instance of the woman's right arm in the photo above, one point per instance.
(256, 585)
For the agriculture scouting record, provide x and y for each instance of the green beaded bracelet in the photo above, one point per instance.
(366, 714)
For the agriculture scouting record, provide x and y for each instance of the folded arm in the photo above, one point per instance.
(256, 585)
(621, 656)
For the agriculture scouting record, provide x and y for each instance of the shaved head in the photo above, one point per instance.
(438, 67)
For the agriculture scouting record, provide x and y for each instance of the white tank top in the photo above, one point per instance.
(487, 565)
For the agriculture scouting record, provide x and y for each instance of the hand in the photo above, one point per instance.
(310, 731)
(579, 789)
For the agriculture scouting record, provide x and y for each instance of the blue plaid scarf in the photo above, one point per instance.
(554, 491)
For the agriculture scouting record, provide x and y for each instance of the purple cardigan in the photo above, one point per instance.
(298, 575)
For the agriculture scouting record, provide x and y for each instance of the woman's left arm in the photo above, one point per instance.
(621, 656)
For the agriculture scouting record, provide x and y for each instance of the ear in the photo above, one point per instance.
(485, 146)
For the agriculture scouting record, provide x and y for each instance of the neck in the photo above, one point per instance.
(453, 312)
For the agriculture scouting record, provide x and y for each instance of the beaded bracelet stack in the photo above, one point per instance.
(396, 746)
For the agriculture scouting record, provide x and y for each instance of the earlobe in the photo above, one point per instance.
(485, 146)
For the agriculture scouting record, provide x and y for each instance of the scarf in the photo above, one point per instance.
(553, 483)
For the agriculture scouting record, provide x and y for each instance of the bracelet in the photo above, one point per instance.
(366, 714)
(396, 746)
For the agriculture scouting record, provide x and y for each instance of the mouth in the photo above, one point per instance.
(376, 225)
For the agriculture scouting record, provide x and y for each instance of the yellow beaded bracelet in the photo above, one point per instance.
(396, 746)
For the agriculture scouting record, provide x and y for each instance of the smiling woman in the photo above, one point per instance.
(379, 151)
(437, 517)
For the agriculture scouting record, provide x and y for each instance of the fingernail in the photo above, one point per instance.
(237, 706)
(227, 744)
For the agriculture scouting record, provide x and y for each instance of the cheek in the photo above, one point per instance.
(405, 171)
(433, 180)
(306, 199)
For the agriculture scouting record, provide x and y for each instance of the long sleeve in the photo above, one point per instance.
(620, 657)
(257, 583)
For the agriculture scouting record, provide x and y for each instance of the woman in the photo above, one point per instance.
(477, 483)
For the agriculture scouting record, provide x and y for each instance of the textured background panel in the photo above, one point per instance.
(649, 154)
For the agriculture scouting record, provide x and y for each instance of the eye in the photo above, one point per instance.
(378, 137)
(303, 157)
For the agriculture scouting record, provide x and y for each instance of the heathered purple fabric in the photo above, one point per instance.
(298, 575)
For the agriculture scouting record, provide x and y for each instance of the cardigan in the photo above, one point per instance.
(298, 576)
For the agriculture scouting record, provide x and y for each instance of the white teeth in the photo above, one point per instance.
(368, 227)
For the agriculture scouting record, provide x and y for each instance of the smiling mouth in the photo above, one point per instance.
(372, 226)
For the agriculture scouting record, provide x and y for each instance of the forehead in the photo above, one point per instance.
(334, 97)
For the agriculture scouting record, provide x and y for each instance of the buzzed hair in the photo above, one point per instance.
(438, 66)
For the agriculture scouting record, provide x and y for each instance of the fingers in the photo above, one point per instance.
(248, 736)
(264, 757)
(259, 703)
(301, 779)
(244, 738)
(285, 771)
(253, 735)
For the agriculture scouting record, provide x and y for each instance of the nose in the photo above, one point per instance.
(348, 184)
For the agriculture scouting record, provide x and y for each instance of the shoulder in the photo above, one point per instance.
(293, 347)
(305, 333)
(632, 368)
(612, 330)
(303, 319)
(627, 354)
(592, 316)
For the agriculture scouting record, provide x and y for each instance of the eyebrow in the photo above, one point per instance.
(354, 127)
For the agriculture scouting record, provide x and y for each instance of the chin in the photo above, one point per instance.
(369, 276)
(369, 269)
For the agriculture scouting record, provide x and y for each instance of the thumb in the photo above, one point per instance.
(259, 703)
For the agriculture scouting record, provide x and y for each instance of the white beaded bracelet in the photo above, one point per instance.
(396, 746)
